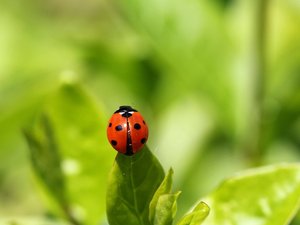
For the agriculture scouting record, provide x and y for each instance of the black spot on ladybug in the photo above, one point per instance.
(143, 141)
(144, 122)
(137, 126)
(114, 143)
(109, 125)
(118, 128)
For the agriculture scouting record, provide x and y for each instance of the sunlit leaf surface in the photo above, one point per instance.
(166, 209)
(264, 196)
(164, 188)
(197, 216)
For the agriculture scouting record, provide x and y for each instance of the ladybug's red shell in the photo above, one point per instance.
(127, 131)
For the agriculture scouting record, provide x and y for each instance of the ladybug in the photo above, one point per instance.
(127, 130)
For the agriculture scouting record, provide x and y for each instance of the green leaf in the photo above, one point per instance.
(45, 158)
(197, 216)
(166, 209)
(163, 206)
(81, 154)
(131, 186)
(164, 188)
(264, 196)
(80, 127)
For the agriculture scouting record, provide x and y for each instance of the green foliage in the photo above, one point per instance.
(267, 196)
(197, 216)
(166, 209)
(46, 159)
(138, 196)
(217, 82)
(64, 164)
(32, 221)
(164, 189)
(163, 206)
(132, 183)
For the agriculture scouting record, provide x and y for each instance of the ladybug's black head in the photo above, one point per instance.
(125, 110)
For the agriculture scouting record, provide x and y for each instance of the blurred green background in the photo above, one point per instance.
(217, 81)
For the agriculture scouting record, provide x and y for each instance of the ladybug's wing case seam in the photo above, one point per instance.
(129, 150)
(139, 131)
(127, 131)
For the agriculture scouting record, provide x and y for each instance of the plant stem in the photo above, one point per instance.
(256, 146)
(69, 215)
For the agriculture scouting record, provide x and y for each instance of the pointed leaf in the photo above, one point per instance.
(166, 209)
(131, 186)
(80, 128)
(263, 196)
(45, 157)
(164, 188)
(79, 153)
(197, 216)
